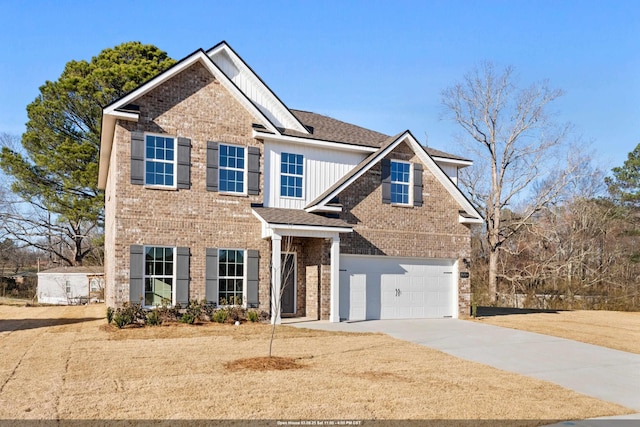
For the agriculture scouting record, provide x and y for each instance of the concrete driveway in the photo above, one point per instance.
(607, 374)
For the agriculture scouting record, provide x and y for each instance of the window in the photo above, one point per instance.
(158, 276)
(159, 160)
(400, 179)
(67, 287)
(291, 172)
(230, 277)
(232, 167)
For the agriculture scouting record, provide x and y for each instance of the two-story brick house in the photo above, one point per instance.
(213, 187)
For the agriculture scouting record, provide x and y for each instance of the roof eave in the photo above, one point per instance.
(310, 141)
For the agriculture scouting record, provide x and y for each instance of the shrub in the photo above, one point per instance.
(252, 316)
(129, 314)
(189, 318)
(220, 316)
(109, 315)
(236, 314)
(121, 319)
(153, 317)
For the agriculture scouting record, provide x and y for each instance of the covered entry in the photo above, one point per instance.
(380, 287)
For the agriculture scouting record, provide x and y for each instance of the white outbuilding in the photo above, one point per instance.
(71, 285)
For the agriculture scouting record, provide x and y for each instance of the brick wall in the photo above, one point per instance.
(429, 231)
(193, 105)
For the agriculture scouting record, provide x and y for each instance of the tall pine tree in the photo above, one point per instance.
(56, 171)
(624, 186)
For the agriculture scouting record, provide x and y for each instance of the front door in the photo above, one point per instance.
(288, 300)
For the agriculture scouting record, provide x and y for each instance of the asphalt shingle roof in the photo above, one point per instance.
(297, 217)
(329, 129)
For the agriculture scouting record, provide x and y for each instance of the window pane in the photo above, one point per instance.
(159, 158)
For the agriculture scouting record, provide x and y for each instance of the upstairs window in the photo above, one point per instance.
(291, 173)
(159, 161)
(400, 182)
(232, 168)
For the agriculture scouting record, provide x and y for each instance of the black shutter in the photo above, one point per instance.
(212, 166)
(184, 163)
(417, 184)
(137, 158)
(211, 276)
(253, 273)
(253, 181)
(386, 180)
(182, 276)
(136, 273)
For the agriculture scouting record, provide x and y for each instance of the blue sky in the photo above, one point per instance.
(378, 64)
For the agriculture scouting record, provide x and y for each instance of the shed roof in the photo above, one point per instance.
(297, 217)
(75, 270)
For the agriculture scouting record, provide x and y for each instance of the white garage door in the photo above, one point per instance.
(374, 287)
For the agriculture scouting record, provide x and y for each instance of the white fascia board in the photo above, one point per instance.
(257, 82)
(268, 230)
(125, 115)
(155, 82)
(381, 154)
(463, 220)
(106, 144)
(308, 231)
(324, 209)
(201, 57)
(316, 142)
(106, 141)
(453, 189)
(455, 162)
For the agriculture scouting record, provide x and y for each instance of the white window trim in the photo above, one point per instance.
(281, 174)
(244, 276)
(245, 170)
(409, 184)
(174, 273)
(174, 162)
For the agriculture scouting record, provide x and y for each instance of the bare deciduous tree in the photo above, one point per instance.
(517, 150)
(286, 273)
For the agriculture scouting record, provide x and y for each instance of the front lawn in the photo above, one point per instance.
(66, 363)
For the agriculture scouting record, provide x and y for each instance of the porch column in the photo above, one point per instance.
(334, 315)
(276, 277)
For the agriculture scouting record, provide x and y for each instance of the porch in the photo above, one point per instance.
(305, 263)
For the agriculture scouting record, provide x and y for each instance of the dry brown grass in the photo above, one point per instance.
(62, 362)
(614, 329)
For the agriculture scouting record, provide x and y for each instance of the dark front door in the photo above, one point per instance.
(288, 301)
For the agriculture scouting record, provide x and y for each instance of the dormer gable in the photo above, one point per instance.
(324, 202)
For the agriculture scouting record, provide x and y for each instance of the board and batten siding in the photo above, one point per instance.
(451, 171)
(322, 168)
(254, 90)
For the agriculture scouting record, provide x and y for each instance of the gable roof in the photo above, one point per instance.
(284, 216)
(118, 109)
(321, 202)
(327, 128)
(225, 65)
(260, 94)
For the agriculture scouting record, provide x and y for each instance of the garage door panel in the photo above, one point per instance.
(396, 288)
